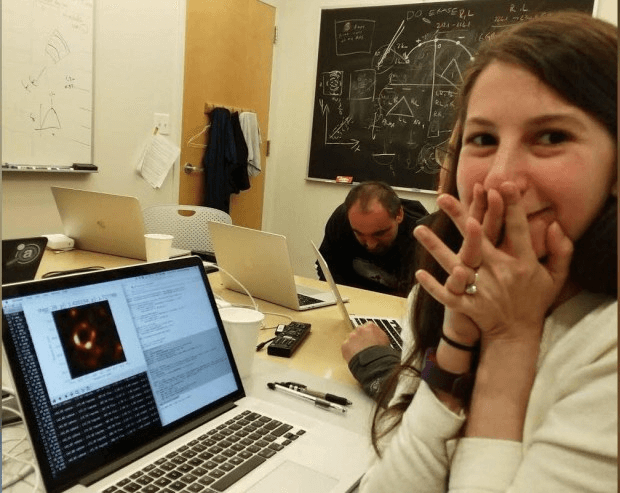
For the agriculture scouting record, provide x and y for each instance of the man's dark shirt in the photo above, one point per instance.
(351, 264)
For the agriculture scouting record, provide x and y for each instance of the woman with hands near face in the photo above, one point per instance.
(515, 348)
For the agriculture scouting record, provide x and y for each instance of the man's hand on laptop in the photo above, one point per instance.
(363, 337)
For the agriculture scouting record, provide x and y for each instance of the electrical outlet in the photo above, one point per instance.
(161, 121)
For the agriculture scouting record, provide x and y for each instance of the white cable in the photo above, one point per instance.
(16, 479)
(23, 474)
(14, 411)
(240, 305)
(8, 390)
(10, 395)
(8, 441)
(290, 319)
(37, 480)
(249, 295)
(218, 297)
(242, 286)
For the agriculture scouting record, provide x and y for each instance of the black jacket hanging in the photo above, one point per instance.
(218, 161)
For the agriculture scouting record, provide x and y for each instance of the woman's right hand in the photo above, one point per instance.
(461, 267)
(515, 289)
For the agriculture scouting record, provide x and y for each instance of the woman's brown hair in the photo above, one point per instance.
(572, 53)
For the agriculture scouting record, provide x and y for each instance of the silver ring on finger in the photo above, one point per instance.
(472, 288)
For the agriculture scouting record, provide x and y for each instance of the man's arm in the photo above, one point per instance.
(370, 357)
(372, 366)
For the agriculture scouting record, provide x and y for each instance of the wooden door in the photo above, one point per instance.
(228, 58)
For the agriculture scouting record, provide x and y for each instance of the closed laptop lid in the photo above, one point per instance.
(260, 262)
(102, 222)
(109, 365)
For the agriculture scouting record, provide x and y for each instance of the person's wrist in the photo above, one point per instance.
(514, 334)
(452, 359)
(450, 384)
(460, 338)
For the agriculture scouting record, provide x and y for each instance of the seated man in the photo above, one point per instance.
(368, 241)
(369, 244)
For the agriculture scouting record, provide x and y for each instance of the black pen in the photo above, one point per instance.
(318, 402)
(321, 395)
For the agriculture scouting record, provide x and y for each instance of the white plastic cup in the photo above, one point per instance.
(242, 326)
(158, 247)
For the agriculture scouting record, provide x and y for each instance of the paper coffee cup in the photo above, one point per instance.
(158, 246)
(242, 326)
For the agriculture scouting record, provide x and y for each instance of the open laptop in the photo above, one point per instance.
(260, 261)
(104, 222)
(125, 377)
(391, 326)
(21, 258)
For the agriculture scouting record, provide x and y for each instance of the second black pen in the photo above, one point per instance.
(315, 393)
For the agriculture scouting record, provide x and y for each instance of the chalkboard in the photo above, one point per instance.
(47, 83)
(386, 82)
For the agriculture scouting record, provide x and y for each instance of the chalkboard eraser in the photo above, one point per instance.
(344, 179)
(84, 167)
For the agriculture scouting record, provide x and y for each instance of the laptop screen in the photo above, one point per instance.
(108, 362)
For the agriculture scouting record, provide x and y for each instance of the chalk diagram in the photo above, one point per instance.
(402, 103)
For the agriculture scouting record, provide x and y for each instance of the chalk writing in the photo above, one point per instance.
(387, 81)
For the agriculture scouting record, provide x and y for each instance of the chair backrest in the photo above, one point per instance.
(189, 224)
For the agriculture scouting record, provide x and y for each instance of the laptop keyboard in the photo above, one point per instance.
(307, 300)
(389, 326)
(214, 461)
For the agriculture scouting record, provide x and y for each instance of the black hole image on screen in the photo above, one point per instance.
(89, 338)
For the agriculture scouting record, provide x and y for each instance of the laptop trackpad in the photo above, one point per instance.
(290, 476)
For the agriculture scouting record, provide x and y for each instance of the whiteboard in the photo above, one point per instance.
(47, 82)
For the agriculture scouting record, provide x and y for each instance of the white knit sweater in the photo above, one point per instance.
(570, 435)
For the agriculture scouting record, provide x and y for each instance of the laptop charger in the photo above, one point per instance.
(59, 242)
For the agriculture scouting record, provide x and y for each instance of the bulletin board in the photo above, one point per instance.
(47, 82)
(387, 78)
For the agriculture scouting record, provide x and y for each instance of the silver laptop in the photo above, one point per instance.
(104, 222)
(127, 382)
(391, 326)
(260, 261)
